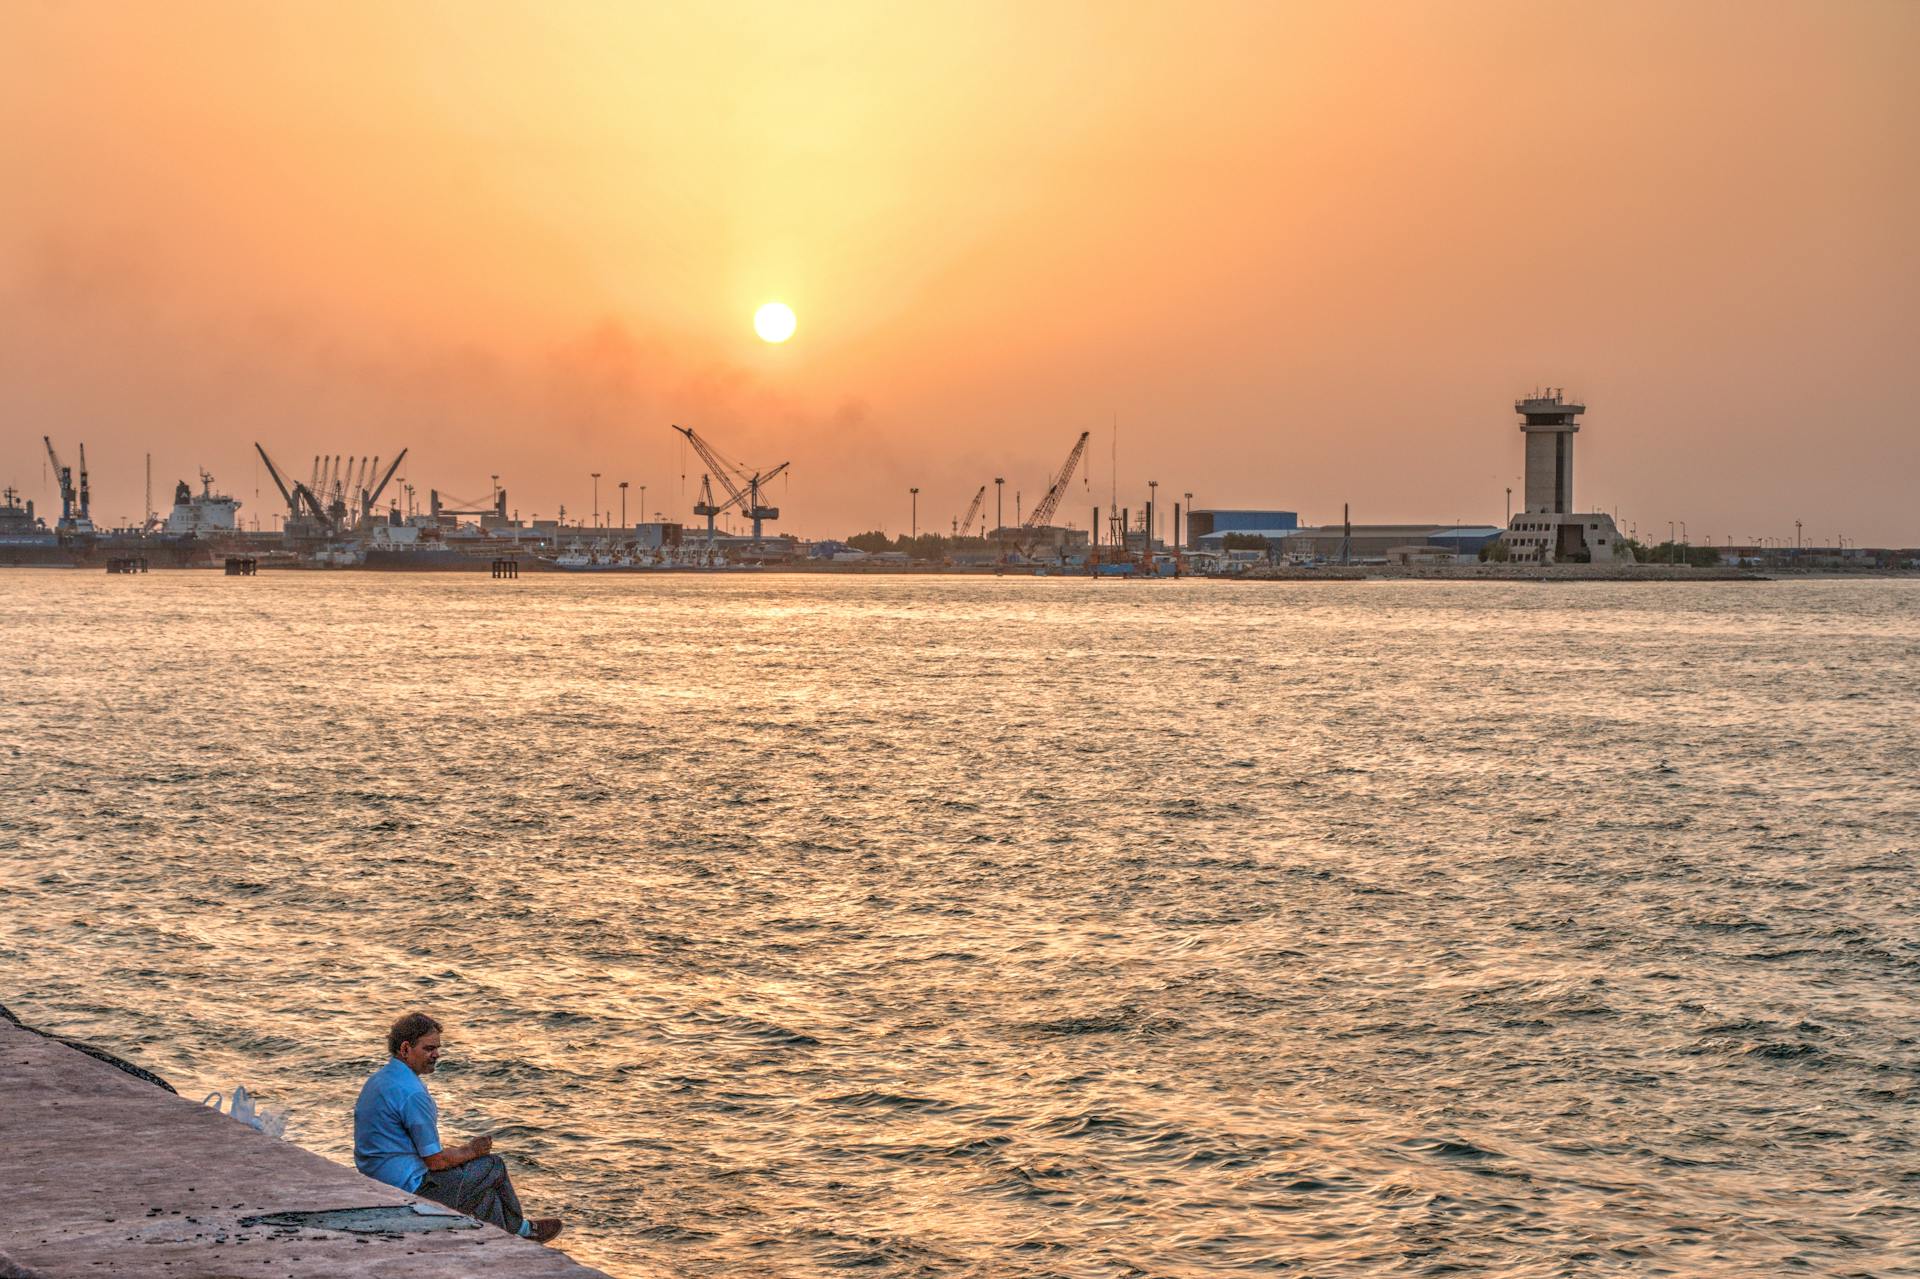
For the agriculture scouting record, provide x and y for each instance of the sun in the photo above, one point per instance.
(774, 322)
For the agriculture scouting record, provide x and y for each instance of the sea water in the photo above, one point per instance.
(923, 927)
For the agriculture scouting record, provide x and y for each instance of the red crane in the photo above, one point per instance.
(964, 524)
(1043, 509)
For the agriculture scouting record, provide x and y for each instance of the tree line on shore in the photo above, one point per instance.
(927, 546)
(1664, 553)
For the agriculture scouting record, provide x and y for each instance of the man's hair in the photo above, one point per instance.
(408, 1030)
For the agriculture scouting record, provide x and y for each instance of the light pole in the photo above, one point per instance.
(999, 514)
(915, 524)
(1180, 534)
(1509, 503)
(1153, 512)
(623, 503)
(596, 499)
(643, 504)
(1683, 533)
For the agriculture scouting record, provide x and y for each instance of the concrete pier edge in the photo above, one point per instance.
(106, 1173)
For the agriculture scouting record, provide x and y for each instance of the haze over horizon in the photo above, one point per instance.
(1304, 254)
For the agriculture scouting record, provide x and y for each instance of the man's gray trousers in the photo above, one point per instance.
(478, 1188)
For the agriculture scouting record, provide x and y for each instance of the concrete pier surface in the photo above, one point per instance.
(102, 1173)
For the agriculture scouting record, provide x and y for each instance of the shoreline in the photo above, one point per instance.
(1262, 573)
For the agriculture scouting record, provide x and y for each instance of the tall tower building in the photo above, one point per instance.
(1550, 530)
(1548, 422)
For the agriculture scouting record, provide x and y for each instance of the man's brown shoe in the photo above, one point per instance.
(545, 1229)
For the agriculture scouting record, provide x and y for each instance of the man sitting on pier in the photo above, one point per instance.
(396, 1139)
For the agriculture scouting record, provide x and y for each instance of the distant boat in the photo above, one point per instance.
(604, 559)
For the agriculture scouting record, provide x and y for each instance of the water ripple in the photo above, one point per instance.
(960, 928)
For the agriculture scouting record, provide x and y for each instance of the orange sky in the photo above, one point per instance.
(1306, 253)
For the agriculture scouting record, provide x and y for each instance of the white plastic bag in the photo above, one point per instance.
(240, 1106)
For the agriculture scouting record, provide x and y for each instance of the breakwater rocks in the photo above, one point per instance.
(108, 1174)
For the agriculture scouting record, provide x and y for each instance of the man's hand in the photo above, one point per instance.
(454, 1156)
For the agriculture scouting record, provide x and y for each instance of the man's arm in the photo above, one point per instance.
(422, 1123)
(454, 1156)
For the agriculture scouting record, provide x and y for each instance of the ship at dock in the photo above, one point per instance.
(205, 514)
(334, 520)
(355, 512)
(199, 531)
(24, 536)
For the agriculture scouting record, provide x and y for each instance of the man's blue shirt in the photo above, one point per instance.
(395, 1127)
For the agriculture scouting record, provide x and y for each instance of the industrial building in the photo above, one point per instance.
(1549, 530)
(1377, 543)
(1393, 542)
(1204, 524)
(1208, 531)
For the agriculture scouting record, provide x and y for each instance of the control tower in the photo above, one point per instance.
(1548, 421)
(1550, 530)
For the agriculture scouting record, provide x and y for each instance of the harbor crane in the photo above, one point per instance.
(965, 522)
(1043, 509)
(76, 514)
(299, 494)
(368, 497)
(330, 513)
(64, 475)
(704, 506)
(741, 484)
(317, 482)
